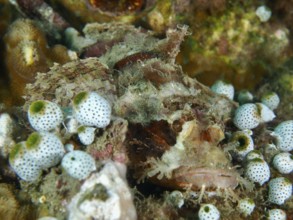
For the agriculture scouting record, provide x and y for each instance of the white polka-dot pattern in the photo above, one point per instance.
(48, 118)
(253, 155)
(266, 114)
(258, 171)
(247, 116)
(48, 152)
(284, 134)
(283, 162)
(244, 143)
(271, 100)
(246, 206)
(280, 189)
(93, 110)
(277, 214)
(78, 164)
(86, 135)
(208, 212)
(23, 165)
(223, 88)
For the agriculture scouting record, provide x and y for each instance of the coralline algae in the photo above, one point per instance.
(104, 195)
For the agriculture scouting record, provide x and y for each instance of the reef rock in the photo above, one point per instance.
(171, 118)
(104, 195)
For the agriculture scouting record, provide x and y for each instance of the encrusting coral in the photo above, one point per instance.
(234, 45)
(27, 52)
(14, 204)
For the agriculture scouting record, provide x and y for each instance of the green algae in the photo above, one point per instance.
(99, 192)
(37, 107)
(243, 141)
(33, 140)
(257, 160)
(80, 97)
(81, 129)
(16, 151)
(206, 209)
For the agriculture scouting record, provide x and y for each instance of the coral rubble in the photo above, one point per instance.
(104, 195)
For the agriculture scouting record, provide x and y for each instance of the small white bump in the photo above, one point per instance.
(246, 206)
(78, 164)
(44, 115)
(92, 110)
(257, 170)
(247, 116)
(284, 135)
(283, 162)
(263, 13)
(277, 214)
(223, 88)
(280, 189)
(271, 100)
(208, 212)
